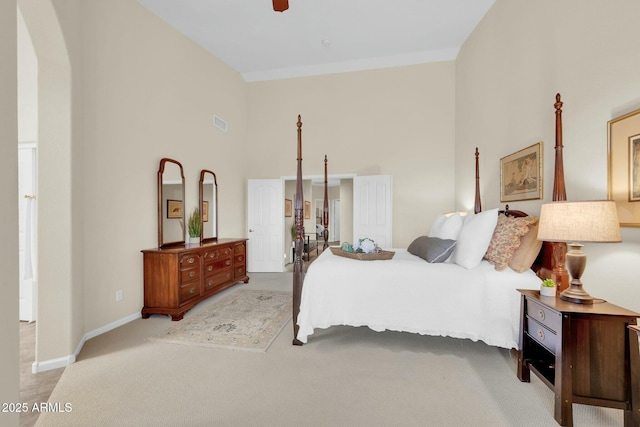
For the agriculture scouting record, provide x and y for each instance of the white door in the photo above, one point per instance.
(372, 203)
(27, 232)
(265, 251)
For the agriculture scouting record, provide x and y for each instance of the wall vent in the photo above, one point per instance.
(221, 124)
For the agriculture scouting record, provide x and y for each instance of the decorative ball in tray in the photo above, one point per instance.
(364, 250)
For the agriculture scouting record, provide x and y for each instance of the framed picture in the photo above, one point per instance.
(521, 174)
(624, 167)
(174, 208)
(205, 211)
(307, 210)
(287, 207)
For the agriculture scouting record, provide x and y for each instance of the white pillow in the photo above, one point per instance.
(474, 238)
(447, 227)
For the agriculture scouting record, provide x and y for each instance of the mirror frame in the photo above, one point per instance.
(203, 173)
(161, 243)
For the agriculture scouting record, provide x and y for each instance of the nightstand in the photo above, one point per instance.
(585, 353)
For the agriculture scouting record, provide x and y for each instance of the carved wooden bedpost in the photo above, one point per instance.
(325, 208)
(559, 273)
(298, 275)
(478, 205)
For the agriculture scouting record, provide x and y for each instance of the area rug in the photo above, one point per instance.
(245, 320)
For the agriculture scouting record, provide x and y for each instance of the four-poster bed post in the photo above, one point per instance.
(325, 208)
(477, 207)
(298, 275)
(559, 274)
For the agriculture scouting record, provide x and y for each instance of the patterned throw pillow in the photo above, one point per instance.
(506, 239)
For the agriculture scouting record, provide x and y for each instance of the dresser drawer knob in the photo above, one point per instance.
(228, 262)
(210, 283)
(541, 314)
(191, 260)
(210, 268)
(192, 291)
(240, 258)
(192, 274)
(541, 334)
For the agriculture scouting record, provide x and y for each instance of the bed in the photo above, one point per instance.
(462, 297)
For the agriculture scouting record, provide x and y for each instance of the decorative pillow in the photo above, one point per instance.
(432, 249)
(506, 239)
(474, 238)
(528, 251)
(447, 227)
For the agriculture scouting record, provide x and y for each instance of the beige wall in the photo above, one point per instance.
(149, 93)
(507, 75)
(9, 366)
(395, 121)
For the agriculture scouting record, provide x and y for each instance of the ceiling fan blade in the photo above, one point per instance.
(280, 5)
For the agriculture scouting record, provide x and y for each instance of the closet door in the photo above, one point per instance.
(372, 209)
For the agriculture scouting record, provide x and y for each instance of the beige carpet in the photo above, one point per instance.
(247, 319)
(344, 376)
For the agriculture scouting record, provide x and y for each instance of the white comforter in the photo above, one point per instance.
(408, 294)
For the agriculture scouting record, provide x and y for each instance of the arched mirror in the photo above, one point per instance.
(170, 203)
(208, 205)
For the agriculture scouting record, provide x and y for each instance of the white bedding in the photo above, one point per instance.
(408, 294)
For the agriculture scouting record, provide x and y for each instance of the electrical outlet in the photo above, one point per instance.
(119, 296)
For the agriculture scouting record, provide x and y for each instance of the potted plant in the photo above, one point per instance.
(193, 226)
(548, 288)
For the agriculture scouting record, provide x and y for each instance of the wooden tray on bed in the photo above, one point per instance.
(362, 256)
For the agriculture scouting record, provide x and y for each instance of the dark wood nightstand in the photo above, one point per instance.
(585, 353)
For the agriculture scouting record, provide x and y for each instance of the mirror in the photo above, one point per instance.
(208, 205)
(170, 203)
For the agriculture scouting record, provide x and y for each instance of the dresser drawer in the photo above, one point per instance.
(239, 249)
(217, 279)
(239, 271)
(239, 259)
(217, 265)
(545, 316)
(189, 260)
(217, 253)
(542, 335)
(189, 291)
(189, 274)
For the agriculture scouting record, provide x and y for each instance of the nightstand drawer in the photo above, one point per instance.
(542, 335)
(545, 316)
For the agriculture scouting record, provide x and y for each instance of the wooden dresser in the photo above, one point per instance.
(586, 354)
(177, 278)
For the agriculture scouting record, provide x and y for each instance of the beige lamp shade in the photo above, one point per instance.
(588, 221)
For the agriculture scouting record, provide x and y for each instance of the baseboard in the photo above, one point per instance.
(62, 362)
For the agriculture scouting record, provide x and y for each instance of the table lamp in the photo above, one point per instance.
(572, 222)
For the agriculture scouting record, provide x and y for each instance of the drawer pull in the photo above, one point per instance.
(210, 283)
(541, 334)
(192, 291)
(192, 274)
(191, 260)
(240, 258)
(228, 262)
(226, 251)
(541, 314)
(210, 268)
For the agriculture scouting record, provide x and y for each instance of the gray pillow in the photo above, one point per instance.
(432, 249)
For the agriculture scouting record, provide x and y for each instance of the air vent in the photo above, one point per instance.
(221, 124)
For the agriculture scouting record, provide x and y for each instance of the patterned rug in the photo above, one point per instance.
(245, 320)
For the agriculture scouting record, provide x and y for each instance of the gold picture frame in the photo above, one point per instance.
(521, 174)
(623, 152)
(287, 208)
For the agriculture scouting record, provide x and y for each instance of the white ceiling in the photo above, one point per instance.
(323, 36)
